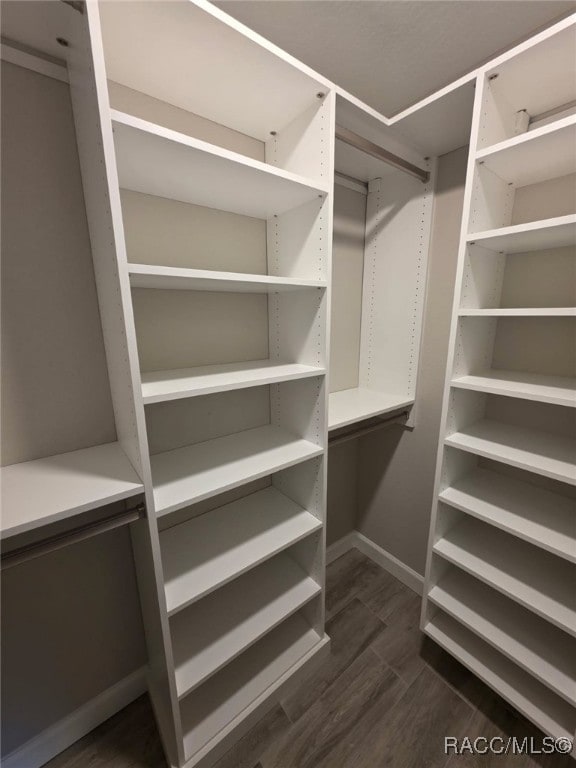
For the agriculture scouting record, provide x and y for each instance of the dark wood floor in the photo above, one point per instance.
(385, 697)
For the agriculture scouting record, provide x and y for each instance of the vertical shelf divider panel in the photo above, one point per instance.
(297, 179)
(503, 414)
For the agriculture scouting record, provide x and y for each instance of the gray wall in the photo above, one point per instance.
(71, 623)
(396, 467)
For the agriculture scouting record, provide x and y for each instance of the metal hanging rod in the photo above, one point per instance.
(79, 533)
(400, 419)
(364, 145)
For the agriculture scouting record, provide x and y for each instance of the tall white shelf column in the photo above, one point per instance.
(231, 448)
(500, 591)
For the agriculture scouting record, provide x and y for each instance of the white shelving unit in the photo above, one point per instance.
(212, 260)
(501, 570)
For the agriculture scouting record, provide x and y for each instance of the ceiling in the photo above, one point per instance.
(392, 53)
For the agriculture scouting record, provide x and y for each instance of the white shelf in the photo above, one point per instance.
(543, 651)
(36, 493)
(213, 632)
(557, 390)
(536, 579)
(158, 161)
(176, 278)
(541, 452)
(553, 715)
(545, 519)
(520, 312)
(187, 475)
(159, 386)
(351, 405)
(228, 697)
(534, 156)
(235, 538)
(533, 236)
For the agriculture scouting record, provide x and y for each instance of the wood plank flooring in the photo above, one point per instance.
(385, 698)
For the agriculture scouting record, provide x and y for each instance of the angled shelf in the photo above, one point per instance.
(351, 405)
(235, 538)
(520, 312)
(231, 696)
(158, 161)
(551, 713)
(36, 493)
(533, 578)
(557, 390)
(559, 232)
(543, 518)
(160, 386)
(544, 153)
(177, 278)
(541, 452)
(214, 631)
(545, 652)
(187, 475)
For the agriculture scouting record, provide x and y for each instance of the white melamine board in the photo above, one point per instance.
(187, 475)
(148, 276)
(157, 161)
(159, 386)
(557, 390)
(543, 651)
(222, 75)
(537, 451)
(533, 236)
(543, 518)
(351, 405)
(537, 580)
(228, 695)
(540, 705)
(520, 312)
(40, 492)
(235, 538)
(538, 155)
(216, 630)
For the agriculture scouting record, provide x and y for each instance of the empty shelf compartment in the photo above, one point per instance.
(187, 475)
(557, 390)
(542, 650)
(538, 516)
(208, 551)
(559, 232)
(536, 579)
(349, 406)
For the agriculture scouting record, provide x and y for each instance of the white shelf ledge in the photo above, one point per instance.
(352, 405)
(228, 698)
(158, 161)
(557, 390)
(533, 236)
(543, 518)
(36, 493)
(541, 452)
(187, 475)
(543, 651)
(235, 538)
(534, 156)
(177, 278)
(540, 705)
(519, 312)
(213, 632)
(531, 577)
(159, 386)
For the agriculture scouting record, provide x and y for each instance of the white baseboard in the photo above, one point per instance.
(396, 567)
(65, 732)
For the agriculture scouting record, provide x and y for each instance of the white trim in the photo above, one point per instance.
(58, 737)
(398, 569)
(35, 63)
(340, 547)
